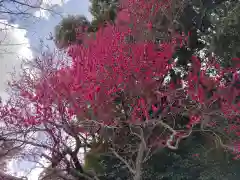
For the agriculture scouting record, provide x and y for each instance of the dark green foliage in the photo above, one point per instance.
(201, 19)
(92, 162)
(66, 33)
(226, 42)
(114, 169)
(103, 11)
(68, 30)
(196, 159)
(184, 55)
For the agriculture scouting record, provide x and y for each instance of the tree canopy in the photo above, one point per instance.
(69, 30)
(153, 96)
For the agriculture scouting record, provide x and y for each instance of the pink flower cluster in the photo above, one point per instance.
(104, 67)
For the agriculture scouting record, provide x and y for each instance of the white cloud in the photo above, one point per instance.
(32, 172)
(35, 173)
(47, 4)
(13, 47)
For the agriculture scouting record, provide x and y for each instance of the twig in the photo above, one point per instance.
(123, 160)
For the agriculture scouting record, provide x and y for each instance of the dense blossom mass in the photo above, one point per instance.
(107, 67)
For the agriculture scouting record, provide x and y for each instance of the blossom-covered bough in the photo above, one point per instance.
(118, 90)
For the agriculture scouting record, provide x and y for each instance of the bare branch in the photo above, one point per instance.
(124, 161)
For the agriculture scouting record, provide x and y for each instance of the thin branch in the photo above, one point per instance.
(124, 161)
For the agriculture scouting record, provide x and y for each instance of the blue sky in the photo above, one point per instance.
(42, 28)
(27, 42)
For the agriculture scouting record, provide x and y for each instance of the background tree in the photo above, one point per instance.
(225, 42)
(103, 11)
(207, 23)
(69, 31)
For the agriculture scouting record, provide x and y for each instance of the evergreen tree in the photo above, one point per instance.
(69, 30)
(103, 11)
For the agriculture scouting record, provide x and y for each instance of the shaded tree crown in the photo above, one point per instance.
(68, 30)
